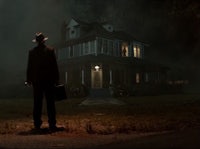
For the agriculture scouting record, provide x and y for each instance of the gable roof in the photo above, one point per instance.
(96, 29)
(76, 22)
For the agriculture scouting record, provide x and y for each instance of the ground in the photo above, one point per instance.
(184, 139)
(166, 121)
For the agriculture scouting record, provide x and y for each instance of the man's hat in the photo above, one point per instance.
(39, 37)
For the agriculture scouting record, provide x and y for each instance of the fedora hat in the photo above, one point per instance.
(39, 37)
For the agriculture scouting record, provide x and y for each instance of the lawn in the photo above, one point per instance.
(139, 114)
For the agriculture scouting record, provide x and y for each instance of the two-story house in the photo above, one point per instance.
(98, 57)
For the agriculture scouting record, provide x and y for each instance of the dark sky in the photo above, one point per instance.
(20, 19)
(171, 27)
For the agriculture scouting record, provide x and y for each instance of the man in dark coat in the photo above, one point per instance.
(43, 75)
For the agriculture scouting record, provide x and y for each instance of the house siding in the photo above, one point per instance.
(83, 52)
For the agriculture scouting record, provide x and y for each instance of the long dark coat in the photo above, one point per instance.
(42, 65)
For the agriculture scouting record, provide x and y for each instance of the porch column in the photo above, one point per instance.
(110, 77)
(66, 77)
(95, 46)
(82, 77)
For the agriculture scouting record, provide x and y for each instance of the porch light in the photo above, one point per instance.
(97, 68)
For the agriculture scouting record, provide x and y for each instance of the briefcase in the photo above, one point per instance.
(60, 92)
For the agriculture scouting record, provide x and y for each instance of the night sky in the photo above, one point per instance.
(170, 27)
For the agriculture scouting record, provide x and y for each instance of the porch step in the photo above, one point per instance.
(99, 93)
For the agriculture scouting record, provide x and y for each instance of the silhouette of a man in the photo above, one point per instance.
(43, 74)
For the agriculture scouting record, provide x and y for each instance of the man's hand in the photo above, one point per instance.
(57, 83)
(28, 83)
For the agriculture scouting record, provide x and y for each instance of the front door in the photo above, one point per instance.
(96, 78)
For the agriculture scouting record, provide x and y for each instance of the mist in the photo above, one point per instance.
(20, 20)
(172, 40)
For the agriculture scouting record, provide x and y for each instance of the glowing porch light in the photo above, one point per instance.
(97, 68)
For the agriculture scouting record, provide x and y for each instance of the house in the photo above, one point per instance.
(98, 57)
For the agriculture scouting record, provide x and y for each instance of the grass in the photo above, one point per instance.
(139, 114)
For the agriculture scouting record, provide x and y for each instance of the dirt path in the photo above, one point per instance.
(187, 139)
(63, 141)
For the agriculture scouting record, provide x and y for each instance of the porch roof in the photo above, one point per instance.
(106, 59)
(95, 29)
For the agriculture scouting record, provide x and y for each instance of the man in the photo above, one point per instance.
(43, 75)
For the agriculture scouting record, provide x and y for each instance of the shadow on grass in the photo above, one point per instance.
(42, 131)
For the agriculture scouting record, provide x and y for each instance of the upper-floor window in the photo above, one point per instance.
(116, 48)
(74, 32)
(105, 46)
(108, 27)
(86, 48)
(81, 49)
(146, 77)
(92, 47)
(71, 51)
(124, 50)
(110, 47)
(137, 51)
(76, 50)
(99, 45)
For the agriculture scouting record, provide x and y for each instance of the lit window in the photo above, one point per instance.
(137, 51)
(137, 78)
(124, 50)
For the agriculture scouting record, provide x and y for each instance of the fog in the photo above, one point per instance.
(171, 41)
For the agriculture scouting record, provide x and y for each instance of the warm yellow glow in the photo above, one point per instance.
(137, 78)
(137, 51)
(124, 50)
